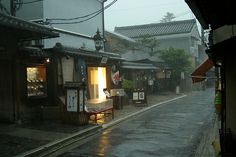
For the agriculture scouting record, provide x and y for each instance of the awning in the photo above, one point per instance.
(213, 13)
(25, 30)
(199, 74)
(135, 65)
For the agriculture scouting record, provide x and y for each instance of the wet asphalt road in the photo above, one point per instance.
(170, 130)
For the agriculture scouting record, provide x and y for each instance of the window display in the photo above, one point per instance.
(36, 81)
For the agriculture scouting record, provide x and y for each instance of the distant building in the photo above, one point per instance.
(118, 43)
(177, 34)
(138, 64)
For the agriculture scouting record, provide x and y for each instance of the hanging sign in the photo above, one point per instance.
(104, 60)
(115, 75)
(81, 102)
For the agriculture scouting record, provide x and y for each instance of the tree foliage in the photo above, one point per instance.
(178, 60)
(149, 42)
(168, 17)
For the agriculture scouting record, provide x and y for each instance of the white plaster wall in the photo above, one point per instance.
(69, 40)
(71, 9)
(51, 9)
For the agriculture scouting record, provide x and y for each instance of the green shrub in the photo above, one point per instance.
(127, 84)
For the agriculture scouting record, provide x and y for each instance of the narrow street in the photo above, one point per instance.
(172, 129)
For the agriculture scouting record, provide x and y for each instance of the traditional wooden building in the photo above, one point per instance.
(74, 56)
(19, 63)
(218, 16)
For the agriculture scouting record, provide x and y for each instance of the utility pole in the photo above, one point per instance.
(12, 8)
(103, 26)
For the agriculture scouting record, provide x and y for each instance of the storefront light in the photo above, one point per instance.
(102, 82)
(97, 82)
(47, 60)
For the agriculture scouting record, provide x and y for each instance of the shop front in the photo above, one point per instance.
(14, 88)
(33, 83)
(91, 67)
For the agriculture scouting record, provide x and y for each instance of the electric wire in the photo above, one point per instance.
(90, 16)
(75, 22)
(75, 18)
(29, 2)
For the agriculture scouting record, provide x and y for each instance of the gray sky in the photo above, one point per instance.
(135, 12)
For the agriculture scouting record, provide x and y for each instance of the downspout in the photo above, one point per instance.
(223, 110)
(14, 77)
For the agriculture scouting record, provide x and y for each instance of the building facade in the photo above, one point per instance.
(15, 32)
(220, 52)
(177, 34)
(72, 57)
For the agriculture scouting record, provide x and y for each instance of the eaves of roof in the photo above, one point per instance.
(25, 30)
(213, 13)
(120, 36)
(138, 65)
(85, 52)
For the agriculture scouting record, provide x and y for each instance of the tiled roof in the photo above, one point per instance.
(120, 36)
(157, 29)
(25, 29)
(85, 52)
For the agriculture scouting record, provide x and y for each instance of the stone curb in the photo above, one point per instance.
(58, 144)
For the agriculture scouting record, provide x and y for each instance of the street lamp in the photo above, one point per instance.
(98, 40)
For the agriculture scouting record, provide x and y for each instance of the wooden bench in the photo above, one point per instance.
(95, 107)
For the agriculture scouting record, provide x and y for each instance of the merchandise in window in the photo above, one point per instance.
(36, 81)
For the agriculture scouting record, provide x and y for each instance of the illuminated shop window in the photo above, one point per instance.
(36, 81)
(97, 82)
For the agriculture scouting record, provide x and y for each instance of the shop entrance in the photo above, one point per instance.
(97, 82)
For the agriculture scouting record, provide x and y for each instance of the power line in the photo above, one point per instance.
(75, 18)
(75, 22)
(92, 15)
(30, 2)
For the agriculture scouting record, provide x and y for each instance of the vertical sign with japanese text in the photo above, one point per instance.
(72, 100)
